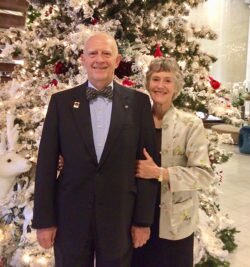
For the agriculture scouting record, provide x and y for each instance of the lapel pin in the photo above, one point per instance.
(76, 104)
(126, 106)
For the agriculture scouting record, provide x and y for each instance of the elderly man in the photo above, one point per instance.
(96, 208)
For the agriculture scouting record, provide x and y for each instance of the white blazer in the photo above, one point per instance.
(184, 152)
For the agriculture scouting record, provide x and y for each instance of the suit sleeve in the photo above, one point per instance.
(146, 189)
(45, 180)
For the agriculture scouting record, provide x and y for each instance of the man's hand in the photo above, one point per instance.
(140, 235)
(46, 237)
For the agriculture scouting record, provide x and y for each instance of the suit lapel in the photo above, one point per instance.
(118, 114)
(82, 118)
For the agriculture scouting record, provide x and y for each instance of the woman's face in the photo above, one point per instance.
(162, 87)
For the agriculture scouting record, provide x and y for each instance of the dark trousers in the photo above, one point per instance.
(87, 259)
(90, 254)
(159, 252)
(165, 253)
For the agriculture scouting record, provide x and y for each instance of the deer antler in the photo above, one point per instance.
(12, 132)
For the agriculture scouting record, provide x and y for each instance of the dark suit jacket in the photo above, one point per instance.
(109, 190)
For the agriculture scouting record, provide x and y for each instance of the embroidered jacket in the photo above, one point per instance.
(184, 152)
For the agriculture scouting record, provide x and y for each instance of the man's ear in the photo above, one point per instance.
(118, 60)
(82, 58)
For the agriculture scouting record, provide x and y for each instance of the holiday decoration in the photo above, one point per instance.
(215, 84)
(53, 82)
(127, 82)
(51, 45)
(158, 52)
(11, 163)
(124, 69)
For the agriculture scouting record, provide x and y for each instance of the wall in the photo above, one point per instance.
(230, 19)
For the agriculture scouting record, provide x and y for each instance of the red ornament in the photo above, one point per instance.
(158, 52)
(50, 9)
(45, 86)
(59, 68)
(215, 84)
(1, 262)
(53, 82)
(94, 21)
(127, 82)
(48, 12)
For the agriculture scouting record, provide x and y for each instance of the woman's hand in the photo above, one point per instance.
(147, 168)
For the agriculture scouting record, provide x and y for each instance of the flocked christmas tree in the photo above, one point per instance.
(51, 45)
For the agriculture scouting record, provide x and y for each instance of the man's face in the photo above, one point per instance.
(100, 59)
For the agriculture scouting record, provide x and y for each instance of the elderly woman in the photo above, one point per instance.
(182, 168)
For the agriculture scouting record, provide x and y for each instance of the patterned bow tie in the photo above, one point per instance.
(92, 93)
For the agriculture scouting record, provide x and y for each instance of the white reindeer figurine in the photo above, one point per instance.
(11, 164)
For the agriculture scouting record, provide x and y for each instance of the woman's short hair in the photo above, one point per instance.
(166, 64)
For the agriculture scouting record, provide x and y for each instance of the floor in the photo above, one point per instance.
(235, 200)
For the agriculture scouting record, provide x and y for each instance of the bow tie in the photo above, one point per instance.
(92, 93)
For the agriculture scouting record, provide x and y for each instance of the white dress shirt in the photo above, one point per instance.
(100, 111)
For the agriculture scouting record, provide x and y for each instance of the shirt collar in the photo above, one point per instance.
(91, 85)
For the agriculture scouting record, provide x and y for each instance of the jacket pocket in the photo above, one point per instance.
(181, 214)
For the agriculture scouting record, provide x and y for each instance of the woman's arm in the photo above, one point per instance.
(148, 169)
(195, 173)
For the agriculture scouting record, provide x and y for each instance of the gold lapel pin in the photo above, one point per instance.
(76, 104)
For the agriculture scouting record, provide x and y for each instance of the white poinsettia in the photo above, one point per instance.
(199, 249)
(79, 37)
(81, 4)
(32, 256)
(214, 245)
(142, 61)
(7, 50)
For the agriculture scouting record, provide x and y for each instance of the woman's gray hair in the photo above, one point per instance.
(166, 64)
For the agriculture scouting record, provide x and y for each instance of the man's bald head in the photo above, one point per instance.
(100, 59)
(104, 36)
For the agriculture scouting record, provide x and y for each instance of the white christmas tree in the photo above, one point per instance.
(51, 45)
